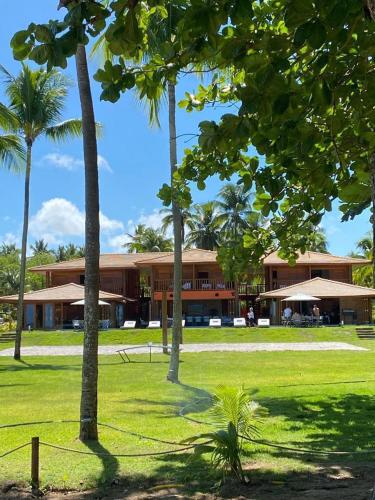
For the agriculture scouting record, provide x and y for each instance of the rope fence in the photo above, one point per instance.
(35, 444)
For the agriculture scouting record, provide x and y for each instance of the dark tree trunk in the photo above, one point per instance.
(89, 395)
(21, 291)
(177, 233)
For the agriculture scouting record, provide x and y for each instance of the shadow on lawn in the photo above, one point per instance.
(336, 423)
(193, 400)
(110, 464)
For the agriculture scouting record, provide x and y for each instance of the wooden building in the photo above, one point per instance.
(138, 281)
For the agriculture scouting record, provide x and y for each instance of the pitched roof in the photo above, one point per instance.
(107, 261)
(314, 258)
(64, 293)
(194, 255)
(130, 260)
(320, 287)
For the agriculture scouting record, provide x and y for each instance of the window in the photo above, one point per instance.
(81, 279)
(320, 273)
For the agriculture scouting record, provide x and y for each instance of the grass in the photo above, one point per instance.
(321, 400)
(194, 335)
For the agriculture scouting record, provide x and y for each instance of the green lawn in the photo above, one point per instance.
(194, 335)
(320, 400)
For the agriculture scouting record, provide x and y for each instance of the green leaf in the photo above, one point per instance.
(281, 104)
(19, 39)
(318, 34)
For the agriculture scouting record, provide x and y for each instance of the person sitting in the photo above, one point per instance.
(296, 318)
(288, 313)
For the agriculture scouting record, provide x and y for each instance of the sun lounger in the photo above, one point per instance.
(215, 322)
(264, 322)
(154, 324)
(128, 325)
(239, 322)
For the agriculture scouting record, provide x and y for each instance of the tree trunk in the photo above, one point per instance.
(89, 394)
(177, 234)
(372, 167)
(21, 291)
(164, 322)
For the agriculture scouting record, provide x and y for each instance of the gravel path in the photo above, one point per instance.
(76, 350)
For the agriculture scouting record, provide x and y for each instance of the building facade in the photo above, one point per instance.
(139, 282)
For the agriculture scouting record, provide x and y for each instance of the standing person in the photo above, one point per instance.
(316, 313)
(251, 316)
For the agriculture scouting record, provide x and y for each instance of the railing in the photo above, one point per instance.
(250, 289)
(119, 290)
(194, 284)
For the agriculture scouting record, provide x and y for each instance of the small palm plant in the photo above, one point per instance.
(234, 415)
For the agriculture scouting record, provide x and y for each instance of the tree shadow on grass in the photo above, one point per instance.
(38, 367)
(110, 464)
(193, 400)
(335, 423)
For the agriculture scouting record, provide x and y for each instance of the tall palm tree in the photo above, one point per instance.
(187, 223)
(363, 275)
(161, 31)
(317, 240)
(206, 230)
(36, 101)
(147, 239)
(89, 392)
(234, 209)
(39, 246)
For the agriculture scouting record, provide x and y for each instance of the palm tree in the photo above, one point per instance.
(147, 239)
(89, 393)
(317, 240)
(8, 249)
(363, 275)
(36, 100)
(234, 209)
(40, 246)
(160, 32)
(206, 229)
(187, 224)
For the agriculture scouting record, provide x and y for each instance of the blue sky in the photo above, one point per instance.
(134, 163)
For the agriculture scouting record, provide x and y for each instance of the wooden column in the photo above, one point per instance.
(164, 319)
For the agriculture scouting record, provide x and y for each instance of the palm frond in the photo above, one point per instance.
(64, 130)
(12, 153)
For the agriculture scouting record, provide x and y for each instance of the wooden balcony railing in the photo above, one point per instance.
(250, 289)
(194, 284)
(276, 284)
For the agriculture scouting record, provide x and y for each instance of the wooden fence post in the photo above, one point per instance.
(164, 321)
(35, 463)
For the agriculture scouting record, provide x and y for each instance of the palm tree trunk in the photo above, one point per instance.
(89, 394)
(21, 291)
(177, 233)
(372, 167)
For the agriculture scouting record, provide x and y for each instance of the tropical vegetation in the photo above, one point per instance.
(36, 102)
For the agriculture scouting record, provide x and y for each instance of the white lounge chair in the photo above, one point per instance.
(264, 322)
(154, 324)
(240, 322)
(215, 322)
(128, 325)
(183, 323)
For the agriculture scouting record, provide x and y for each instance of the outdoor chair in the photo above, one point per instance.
(239, 322)
(128, 325)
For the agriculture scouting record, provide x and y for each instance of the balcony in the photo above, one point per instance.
(194, 285)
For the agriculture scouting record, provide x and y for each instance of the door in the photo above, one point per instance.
(119, 314)
(29, 315)
(48, 316)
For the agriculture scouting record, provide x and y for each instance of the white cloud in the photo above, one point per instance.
(59, 219)
(70, 163)
(10, 239)
(153, 219)
(103, 164)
